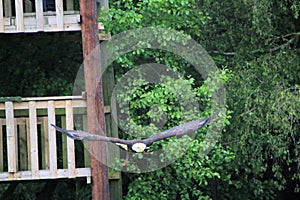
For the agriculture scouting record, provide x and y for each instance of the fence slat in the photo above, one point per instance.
(52, 140)
(33, 140)
(70, 142)
(1, 145)
(39, 15)
(28, 143)
(19, 15)
(7, 8)
(17, 142)
(1, 17)
(22, 144)
(11, 137)
(45, 143)
(59, 14)
(86, 152)
(64, 142)
(70, 4)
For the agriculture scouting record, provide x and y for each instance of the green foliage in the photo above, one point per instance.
(243, 30)
(187, 178)
(40, 67)
(259, 42)
(63, 190)
(153, 105)
(266, 123)
(172, 99)
(182, 15)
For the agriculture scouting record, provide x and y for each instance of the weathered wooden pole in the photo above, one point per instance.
(95, 105)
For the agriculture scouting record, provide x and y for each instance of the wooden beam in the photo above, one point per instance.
(34, 156)
(7, 8)
(70, 4)
(44, 174)
(86, 152)
(59, 14)
(22, 144)
(28, 6)
(70, 142)
(19, 16)
(1, 146)
(52, 140)
(44, 104)
(1, 17)
(45, 143)
(39, 15)
(54, 98)
(115, 185)
(64, 142)
(11, 137)
(95, 105)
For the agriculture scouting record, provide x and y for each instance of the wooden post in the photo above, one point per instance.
(70, 4)
(11, 137)
(7, 8)
(70, 142)
(1, 17)
(39, 15)
(34, 154)
(95, 105)
(22, 144)
(59, 14)
(52, 140)
(1, 145)
(19, 15)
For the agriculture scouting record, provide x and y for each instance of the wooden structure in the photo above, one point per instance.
(33, 16)
(29, 16)
(29, 146)
(30, 149)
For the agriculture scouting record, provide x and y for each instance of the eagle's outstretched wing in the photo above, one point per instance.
(82, 135)
(180, 130)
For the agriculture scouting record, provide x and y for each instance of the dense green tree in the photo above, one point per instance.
(192, 176)
(258, 42)
(265, 125)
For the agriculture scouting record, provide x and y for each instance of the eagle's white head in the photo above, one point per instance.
(139, 147)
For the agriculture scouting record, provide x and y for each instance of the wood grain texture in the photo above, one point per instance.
(52, 140)
(11, 137)
(34, 164)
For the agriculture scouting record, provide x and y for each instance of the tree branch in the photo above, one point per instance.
(280, 47)
(283, 46)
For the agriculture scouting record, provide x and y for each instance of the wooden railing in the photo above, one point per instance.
(36, 15)
(30, 148)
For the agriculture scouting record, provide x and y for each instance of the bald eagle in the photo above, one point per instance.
(139, 145)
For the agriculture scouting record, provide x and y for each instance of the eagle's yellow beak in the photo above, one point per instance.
(140, 149)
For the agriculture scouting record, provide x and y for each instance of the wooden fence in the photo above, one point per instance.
(38, 15)
(30, 149)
